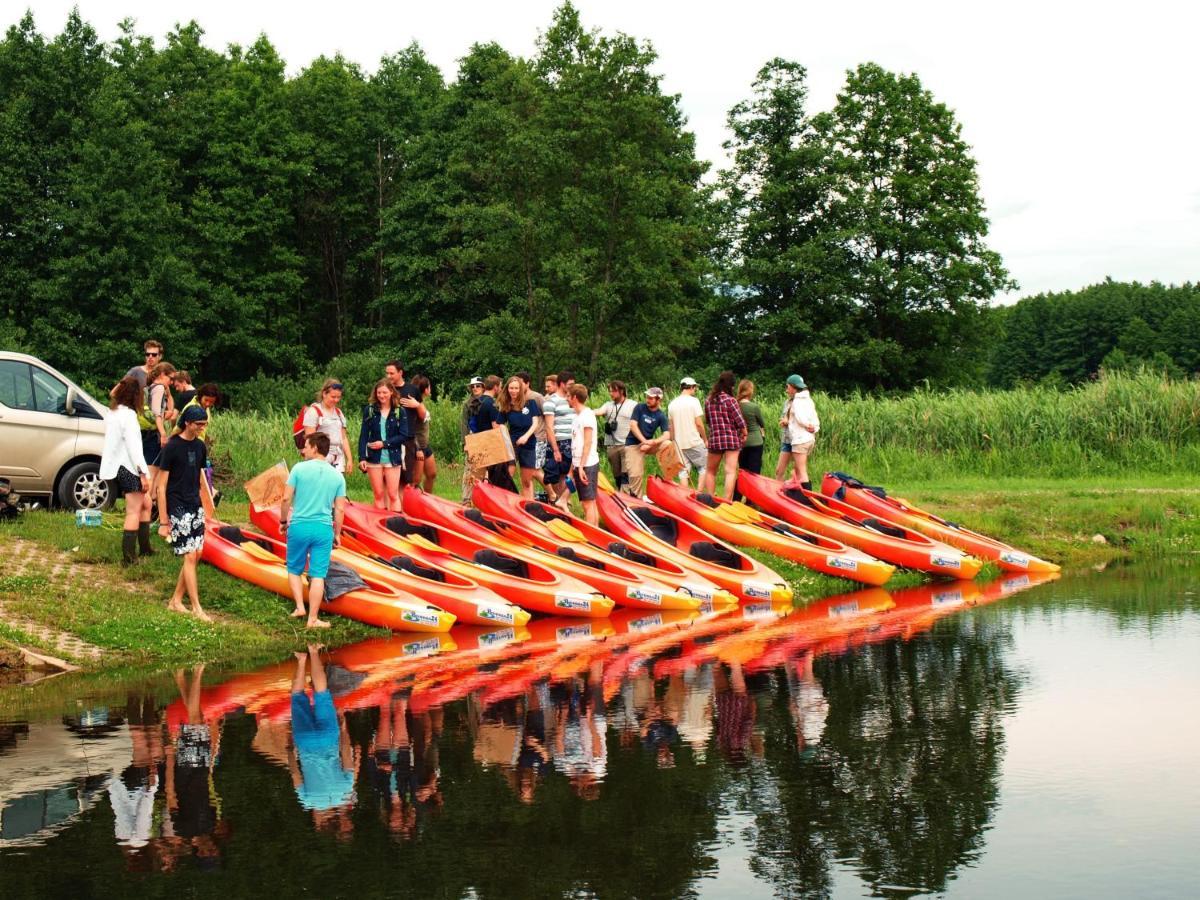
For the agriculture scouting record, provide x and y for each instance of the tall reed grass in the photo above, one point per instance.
(1121, 423)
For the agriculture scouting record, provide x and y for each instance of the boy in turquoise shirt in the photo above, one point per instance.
(316, 498)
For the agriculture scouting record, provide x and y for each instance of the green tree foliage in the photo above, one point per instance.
(1067, 337)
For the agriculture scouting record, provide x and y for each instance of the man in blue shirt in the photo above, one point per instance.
(648, 419)
(315, 497)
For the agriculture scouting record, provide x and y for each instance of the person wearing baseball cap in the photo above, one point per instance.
(181, 514)
(474, 392)
(648, 419)
(802, 425)
(686, 428)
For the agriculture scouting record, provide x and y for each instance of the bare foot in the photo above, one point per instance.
(317, 623)
(176, 605)
(201, 615)
(299, 613)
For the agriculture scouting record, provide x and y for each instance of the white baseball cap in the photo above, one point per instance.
(689, 381)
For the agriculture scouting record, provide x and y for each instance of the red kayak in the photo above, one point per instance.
(655, 531)
(871, 534)
(875, 500)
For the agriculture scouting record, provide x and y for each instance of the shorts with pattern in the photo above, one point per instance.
(187, 531)
(541, 450)
(127, 481)
(555, 470)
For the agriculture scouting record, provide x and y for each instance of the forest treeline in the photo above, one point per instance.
(529, 213)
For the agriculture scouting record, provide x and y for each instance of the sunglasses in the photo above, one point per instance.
(152, 353)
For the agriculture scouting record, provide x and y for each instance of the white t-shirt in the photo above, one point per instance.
(331, 423)
(802, 414)
(584, 419)
(682, 413)
(622, 412)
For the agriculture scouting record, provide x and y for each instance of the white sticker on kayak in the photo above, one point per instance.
(843, 562)
(946, 598)
(945, 562)
(843, 609)
(566, 601)
(644, 594)
(646, 622)
(1015, 559)
(417, 648)
(700, 593)
(418, 618)
(493, 638)
(757, 589)
(496, 614)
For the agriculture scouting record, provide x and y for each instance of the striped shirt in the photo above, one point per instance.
(564, 416)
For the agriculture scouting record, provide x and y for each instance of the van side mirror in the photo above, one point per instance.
(69, 405)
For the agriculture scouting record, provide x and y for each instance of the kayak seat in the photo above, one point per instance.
(235, 535)
(493, 559)
(478, 518)
(540, 512)
(799, 496)
(408, 564)
(884, 528)
(569, 553)
(784, 529)
(660, 526)
(402, 526)
(714, 553)
(626, 552)
(707, 500)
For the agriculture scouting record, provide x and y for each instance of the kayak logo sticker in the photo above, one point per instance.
(1014, 559)
(843, 562)
(492, 638)
(645, 622)
(698, 592)
(417, 618)
(945, 562)
(644, 594)
(566, 601)
(416, 648)
(757, 589)
(495, 615)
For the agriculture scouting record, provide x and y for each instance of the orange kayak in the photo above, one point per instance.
(747, 527)
(262, 561)
(872, 534)
(876, 501)
(549, 528)
(471, 603)
(527, 584)
(657, 532)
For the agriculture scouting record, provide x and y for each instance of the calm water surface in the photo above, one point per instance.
(962, 739)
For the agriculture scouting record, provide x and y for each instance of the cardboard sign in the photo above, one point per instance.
(670, 460)
(265, 489)
(489, 448)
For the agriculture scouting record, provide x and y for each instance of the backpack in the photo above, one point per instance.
(298, 426)
(145, 415)
(473, 406)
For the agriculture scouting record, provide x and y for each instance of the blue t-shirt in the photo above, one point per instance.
(487, 414)
(647, 422)
(317, 485)
(520, 420)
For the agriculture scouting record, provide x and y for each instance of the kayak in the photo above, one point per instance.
(872, 534)
(471, 603)
(551, 529)
(529, 585)
(609, 575)
(262, 561)
(876, 501)
(657, 532)
(747, 527)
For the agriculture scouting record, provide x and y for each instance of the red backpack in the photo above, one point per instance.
(298, 428)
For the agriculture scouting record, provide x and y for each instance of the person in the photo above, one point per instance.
(726, 435)
(584, 455)
(180, 513)
(541, 441)
(381, 444)
(785, 441)
(155, 414)
(325, 416)
(206, 396)
(487, 416)
(470, 406)
(310, 516)
(648, 419)
(522, 416)
(181, 383)
(559, 421)
(750, 457)
(123, 461)
(686, 419)
(803, 425)
(414, 410)
(617, 412)
(426, 464)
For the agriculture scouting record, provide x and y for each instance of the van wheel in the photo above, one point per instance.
(83, 488)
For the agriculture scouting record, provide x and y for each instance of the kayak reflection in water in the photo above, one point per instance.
(320, 759)
(194, 823)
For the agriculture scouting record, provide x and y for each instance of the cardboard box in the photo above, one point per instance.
(265, 489)
(489, 448)
(670, 460)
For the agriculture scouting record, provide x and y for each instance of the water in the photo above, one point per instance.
(959, 740)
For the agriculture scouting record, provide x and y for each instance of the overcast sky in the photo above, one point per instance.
(1083, 116)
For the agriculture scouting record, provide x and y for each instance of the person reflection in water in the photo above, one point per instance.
(736, 712)
(193, 824)
(134, 792)
(581, 742)
(808, 705)
(320, 759)
(403, 763)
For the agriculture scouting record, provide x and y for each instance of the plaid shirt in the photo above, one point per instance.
(725, 423)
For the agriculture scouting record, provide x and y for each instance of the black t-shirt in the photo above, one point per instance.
(487, 415)
(184, 398)
(183, 461)
(414, 415)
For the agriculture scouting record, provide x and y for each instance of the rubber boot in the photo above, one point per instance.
(807, 485)
(143, 538)
(129, 547)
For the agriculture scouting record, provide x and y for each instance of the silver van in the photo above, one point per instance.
(51, 435)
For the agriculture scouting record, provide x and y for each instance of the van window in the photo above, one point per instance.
(16, 384)
(49, 394)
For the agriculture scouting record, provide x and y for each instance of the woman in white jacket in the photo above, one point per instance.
(124, 462)
(802, 425)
